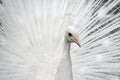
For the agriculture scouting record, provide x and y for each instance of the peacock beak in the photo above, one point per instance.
(77, 41)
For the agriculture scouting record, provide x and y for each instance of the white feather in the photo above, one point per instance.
(32, 44)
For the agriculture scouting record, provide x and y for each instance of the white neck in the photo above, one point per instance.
(64, 70)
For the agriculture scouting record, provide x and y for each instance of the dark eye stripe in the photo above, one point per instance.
(69, 34)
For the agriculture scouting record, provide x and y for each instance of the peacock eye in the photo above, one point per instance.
(69, 34)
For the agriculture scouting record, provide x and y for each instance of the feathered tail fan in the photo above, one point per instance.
(23, 28)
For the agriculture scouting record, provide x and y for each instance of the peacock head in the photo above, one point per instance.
(72, 35)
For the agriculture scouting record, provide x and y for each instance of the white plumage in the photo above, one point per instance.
(33, 45)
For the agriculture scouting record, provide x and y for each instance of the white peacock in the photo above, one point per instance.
(36, 39)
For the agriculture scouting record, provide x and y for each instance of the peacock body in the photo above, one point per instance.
(33, 45)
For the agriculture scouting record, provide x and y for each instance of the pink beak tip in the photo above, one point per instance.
(79, 44)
